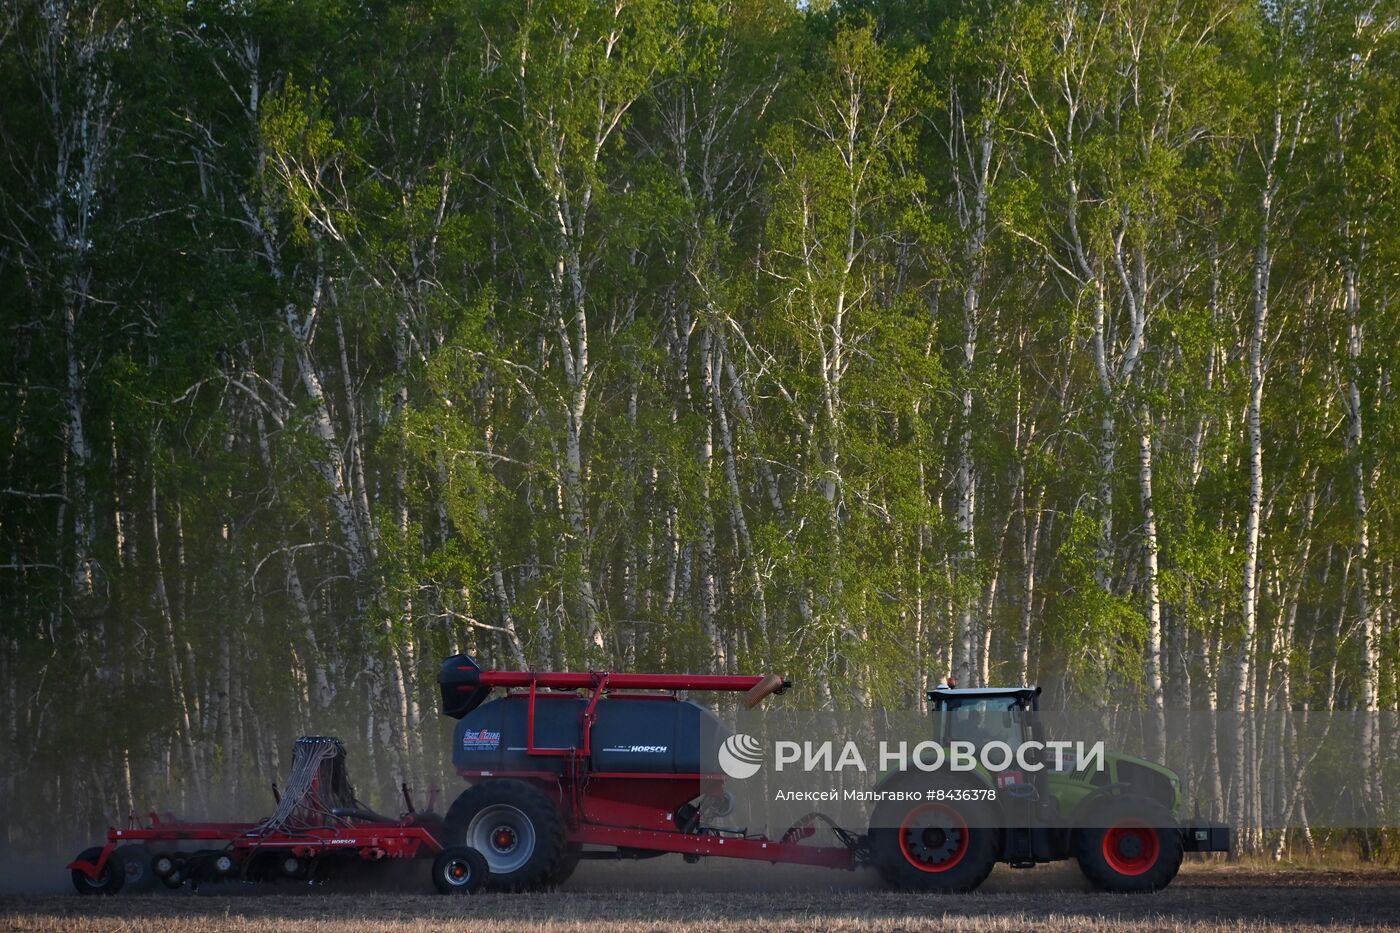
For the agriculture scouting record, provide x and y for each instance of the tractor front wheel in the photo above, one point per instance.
(934, 845)
(515, 826)
(1132, 846)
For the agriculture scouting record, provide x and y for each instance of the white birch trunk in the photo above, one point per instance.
(731, 475)
(1240, 700)
(324, 690)
(178, 677)
(1369, 699)
(331, 461)
(79, 105)
(1156, 699)
(1030, 545)
(709, 583)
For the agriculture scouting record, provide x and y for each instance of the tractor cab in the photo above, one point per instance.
(984, 714)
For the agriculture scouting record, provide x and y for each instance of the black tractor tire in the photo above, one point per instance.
(136, 863)
(515, 827)
(1131, 845)
(460, 870)
(941, 846)
(111, 879)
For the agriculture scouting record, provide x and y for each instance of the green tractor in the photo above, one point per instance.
(944, 830)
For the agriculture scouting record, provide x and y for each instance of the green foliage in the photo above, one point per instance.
(1097, 634)
(341, 336)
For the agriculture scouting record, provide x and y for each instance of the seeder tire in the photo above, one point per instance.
(1134, 846)
(108, 882)
(198, 868)
(168, 868)
(573, 853)
(514, 826)
(460, 870)
(136, 863)
(294, 868)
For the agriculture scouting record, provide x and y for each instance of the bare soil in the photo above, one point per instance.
(665, 894)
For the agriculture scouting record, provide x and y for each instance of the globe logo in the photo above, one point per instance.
(740, 756)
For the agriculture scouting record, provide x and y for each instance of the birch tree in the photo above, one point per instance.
(841, 178)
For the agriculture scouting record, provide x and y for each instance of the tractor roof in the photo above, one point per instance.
(944, 692)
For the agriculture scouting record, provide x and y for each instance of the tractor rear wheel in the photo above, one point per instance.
(1133, 845)
(516, 827)
(109, 881)
(934, 845)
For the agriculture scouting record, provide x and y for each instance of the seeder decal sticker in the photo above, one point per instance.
(480, 740)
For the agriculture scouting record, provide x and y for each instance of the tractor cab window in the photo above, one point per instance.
(980, 720)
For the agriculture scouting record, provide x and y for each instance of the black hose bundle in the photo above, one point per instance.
(317, 792)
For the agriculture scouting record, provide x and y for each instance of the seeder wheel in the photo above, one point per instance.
(136, 864)
(197, 868)
(459, 870)
(516, 827)
(169, 867)
(573, 853)
(293, 867)
(108, 881)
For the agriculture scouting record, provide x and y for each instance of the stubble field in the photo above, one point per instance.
(735, 898)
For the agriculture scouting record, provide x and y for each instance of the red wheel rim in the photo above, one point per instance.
(1131, 847)
(933, 837)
